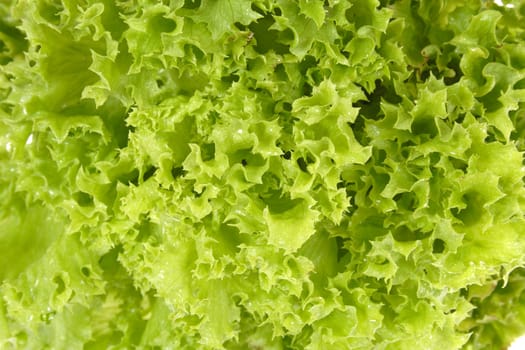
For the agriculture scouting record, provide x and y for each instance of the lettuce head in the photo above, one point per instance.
(262, 174)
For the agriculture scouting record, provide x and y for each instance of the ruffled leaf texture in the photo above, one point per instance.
(267, 174)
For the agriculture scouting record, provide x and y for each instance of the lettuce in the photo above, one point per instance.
(234, 174)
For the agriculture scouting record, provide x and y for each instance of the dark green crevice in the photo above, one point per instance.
(178, 172)
(267, 39)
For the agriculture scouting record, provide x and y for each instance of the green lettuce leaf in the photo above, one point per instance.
(266, 174)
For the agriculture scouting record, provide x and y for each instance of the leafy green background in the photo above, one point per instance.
(235, 174)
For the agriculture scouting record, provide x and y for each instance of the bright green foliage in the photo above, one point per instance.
(267, 174)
